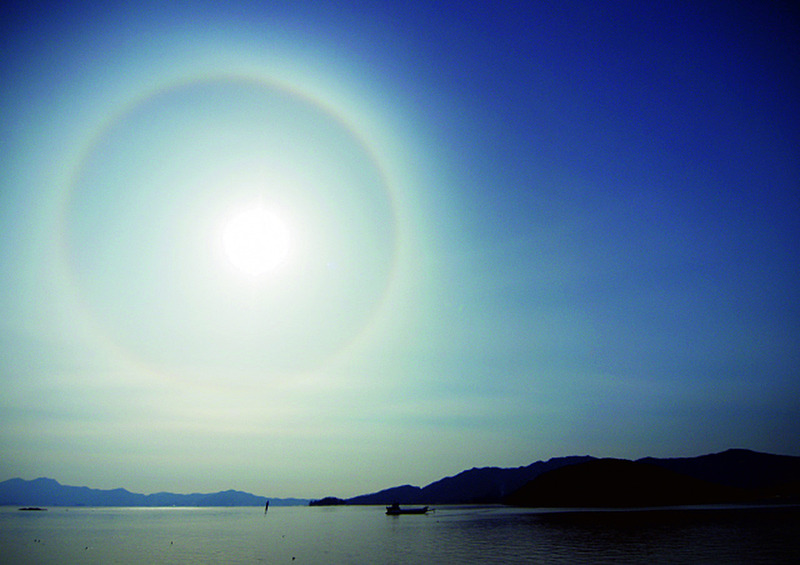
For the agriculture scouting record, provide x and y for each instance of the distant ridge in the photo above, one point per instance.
(49, 492)
(733, 475)
(740, 468)
(618, 483)
(474, 486)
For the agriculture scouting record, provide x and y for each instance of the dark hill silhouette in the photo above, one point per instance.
(406, 494)
(620, 483)
(739, 468)
(474, 486)
(764, 477)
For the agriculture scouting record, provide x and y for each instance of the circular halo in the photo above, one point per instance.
(140, 229)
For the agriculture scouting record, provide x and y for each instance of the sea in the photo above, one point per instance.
(364, 534)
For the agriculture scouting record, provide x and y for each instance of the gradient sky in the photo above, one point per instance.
(515, 231)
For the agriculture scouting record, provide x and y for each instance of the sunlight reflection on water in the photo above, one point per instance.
(363, 534)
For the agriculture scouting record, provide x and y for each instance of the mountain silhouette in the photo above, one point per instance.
(739, 468)
(730, 476)
(49, 492)
(735, 475)
(620, 483)
(475, 486)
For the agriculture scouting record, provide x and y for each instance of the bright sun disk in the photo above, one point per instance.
(255, 241)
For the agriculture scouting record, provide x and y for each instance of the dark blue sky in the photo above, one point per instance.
(519, 230)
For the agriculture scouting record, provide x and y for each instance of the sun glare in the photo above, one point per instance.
(255, 241)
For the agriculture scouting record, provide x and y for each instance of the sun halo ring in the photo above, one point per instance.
(92, 321)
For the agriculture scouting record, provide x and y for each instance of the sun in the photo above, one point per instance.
(255, 240)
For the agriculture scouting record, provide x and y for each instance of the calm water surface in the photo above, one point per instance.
(363, 534)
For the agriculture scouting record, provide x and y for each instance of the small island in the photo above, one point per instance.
(32, 509)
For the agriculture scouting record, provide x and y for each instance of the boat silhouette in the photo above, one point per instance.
(395, 510)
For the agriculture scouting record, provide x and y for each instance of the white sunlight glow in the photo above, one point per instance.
(256, 241)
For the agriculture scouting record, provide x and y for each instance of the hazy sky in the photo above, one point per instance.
(311, 248)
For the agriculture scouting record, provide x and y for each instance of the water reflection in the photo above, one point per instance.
(743, 535)
(364, 534)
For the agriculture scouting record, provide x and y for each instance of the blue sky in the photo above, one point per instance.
(515, 231)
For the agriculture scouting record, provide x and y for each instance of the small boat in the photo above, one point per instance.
(395, 510)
